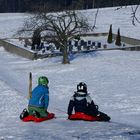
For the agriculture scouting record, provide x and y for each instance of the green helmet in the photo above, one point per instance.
(43, 81)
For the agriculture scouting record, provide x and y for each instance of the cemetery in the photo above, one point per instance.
(86, 43)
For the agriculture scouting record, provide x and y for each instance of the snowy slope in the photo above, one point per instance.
(118, 18)
(10, 23)
(122, 19)
(112, 77)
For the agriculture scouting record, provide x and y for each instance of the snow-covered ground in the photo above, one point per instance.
(112, 77)
(10, 22)
(118, 18)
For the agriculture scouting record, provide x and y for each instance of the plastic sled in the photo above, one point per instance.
(35, 119)
(85, 117)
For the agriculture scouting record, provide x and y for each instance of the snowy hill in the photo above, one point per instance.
(112, 77)
(118, 18)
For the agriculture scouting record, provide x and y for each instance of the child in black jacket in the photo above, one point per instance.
(82, 102)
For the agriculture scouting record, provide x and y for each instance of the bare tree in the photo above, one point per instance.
(59, 27)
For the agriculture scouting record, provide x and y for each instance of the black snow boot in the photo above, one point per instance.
(24, 113)
(104, 117)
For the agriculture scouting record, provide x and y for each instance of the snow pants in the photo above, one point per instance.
(38, 111)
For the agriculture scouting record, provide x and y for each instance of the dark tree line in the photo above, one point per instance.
(55, 5)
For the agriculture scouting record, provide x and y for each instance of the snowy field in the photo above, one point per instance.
(113, 79)
(10, 22)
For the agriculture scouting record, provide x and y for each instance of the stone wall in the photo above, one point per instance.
(134, 45)
(17, 50)
(128, 40)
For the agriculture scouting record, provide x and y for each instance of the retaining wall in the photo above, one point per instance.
(128, 40)
(17, 50)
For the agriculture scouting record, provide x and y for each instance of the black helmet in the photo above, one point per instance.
(82, 87)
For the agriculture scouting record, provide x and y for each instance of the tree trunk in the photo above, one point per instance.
(65, 54)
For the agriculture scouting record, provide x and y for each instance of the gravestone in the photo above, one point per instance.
(89, 42)
(85, 45)
(79, 48)
(105, 46)
(99, 44)
(82, 42)
(76, 43)
(93, 43)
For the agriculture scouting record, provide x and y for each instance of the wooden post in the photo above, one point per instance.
(30, 85)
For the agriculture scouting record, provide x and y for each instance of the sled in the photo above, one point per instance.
(35, 119)
(85, 117)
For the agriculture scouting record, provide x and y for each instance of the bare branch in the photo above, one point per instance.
(134, 18)
(95, 19)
